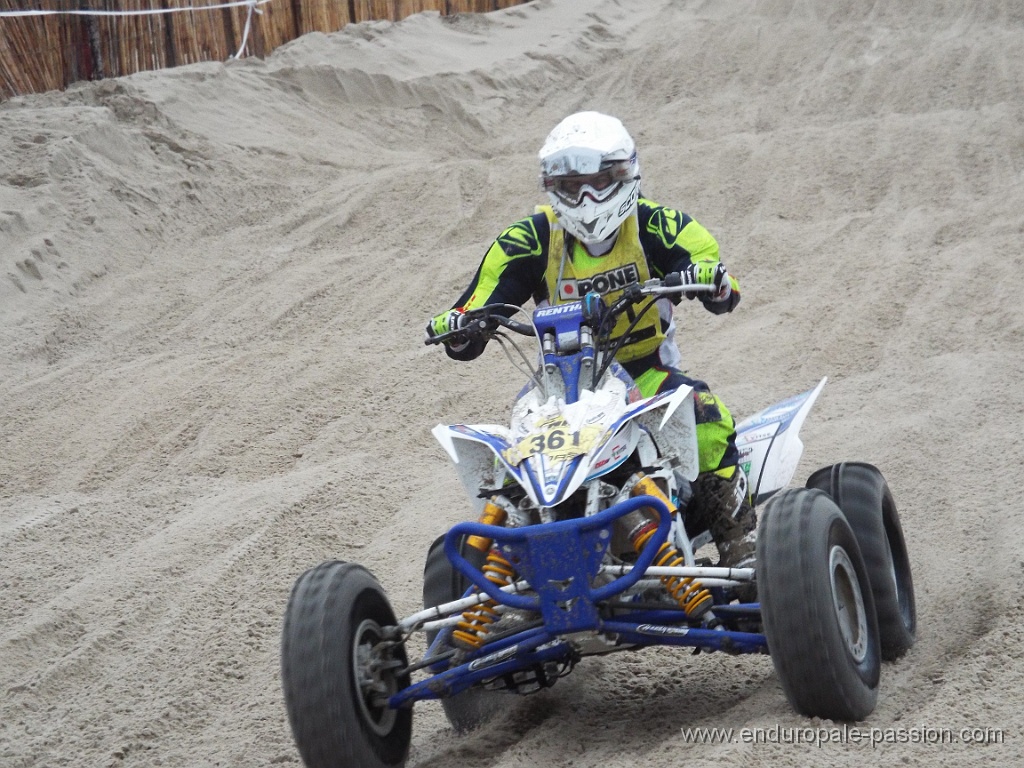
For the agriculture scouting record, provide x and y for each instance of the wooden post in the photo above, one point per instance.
(95, 48)
(229, 30)
(170, 54)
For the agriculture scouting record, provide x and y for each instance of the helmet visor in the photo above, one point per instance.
(571, 189)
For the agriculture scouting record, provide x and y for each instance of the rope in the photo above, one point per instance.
(149, 12)
(248, 24)
(252, 5)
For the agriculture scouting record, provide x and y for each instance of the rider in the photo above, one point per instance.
(598, 234)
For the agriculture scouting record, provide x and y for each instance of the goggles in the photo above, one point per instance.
(571, 189)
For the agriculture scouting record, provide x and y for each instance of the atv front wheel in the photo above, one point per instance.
(861, 492)
(816, 605)
(338, 672)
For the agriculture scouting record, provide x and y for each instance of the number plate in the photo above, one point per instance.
(557, 442)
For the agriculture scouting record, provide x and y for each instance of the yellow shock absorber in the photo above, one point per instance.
(689, 593)
(492, 515)
(476, 622)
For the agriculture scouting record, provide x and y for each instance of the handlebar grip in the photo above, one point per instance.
(519, 327)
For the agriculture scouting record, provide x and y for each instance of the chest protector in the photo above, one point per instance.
(569, 276)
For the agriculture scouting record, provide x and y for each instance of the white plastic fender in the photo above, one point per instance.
(476, 461)
(769, 443)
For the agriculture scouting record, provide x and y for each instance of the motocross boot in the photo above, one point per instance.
(723, 506)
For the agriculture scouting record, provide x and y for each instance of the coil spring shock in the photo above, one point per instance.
(476, 622)
(689, 593)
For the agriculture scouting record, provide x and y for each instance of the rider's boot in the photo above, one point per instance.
(723, 504)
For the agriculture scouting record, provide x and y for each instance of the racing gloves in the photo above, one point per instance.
(446, 322)
(709, 273)
(456, 347)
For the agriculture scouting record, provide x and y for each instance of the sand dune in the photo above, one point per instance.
(215, 283)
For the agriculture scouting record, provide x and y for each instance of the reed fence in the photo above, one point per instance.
(70, 41)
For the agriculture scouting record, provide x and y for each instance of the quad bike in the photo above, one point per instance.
(582, 548)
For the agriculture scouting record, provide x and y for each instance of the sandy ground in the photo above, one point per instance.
(214, 283)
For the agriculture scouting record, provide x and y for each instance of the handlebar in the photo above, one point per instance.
(671, 284)
(485, 321)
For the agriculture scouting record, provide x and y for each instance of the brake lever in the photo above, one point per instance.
(631, 294)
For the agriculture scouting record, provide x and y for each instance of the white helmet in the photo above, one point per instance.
(590, 172)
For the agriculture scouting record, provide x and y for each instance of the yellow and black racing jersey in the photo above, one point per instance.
(533, 259)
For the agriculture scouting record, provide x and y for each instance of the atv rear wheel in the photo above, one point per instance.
(337, 674)
(817, 607)
(861, 492)
(442, 584)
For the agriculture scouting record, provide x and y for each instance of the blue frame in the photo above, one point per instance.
(560, 561)
(540, 554)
